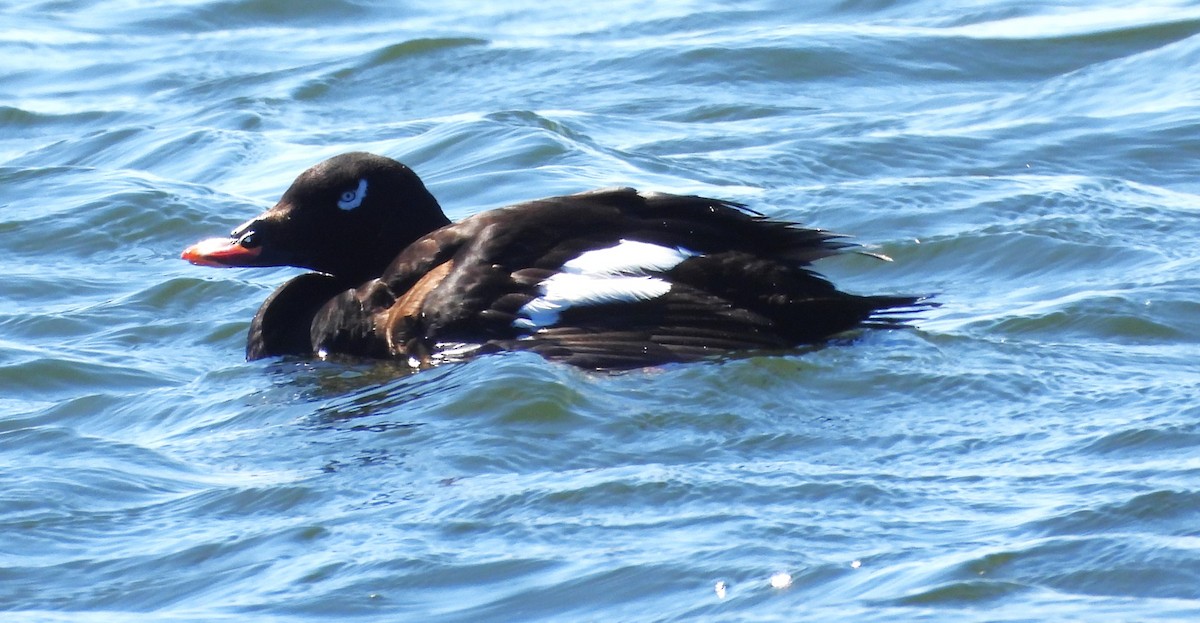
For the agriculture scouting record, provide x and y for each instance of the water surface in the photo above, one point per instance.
(1030, 451)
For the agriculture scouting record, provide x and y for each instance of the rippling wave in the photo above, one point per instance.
(1028, 451)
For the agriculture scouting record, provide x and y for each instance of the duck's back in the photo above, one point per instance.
(605, 279)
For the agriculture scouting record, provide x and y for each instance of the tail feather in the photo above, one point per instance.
(896, 312)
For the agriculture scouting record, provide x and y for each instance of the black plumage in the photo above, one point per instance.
(396, 279)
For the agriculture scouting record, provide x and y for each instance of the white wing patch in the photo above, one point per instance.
(617, 274)
(628, 257)
(353, 198)
(567, 290)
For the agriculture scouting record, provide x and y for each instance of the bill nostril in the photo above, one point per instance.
(241, 231)
(250, 240)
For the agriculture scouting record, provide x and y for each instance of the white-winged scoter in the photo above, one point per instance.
(606, 279)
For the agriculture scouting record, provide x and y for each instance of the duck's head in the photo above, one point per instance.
(348, 216)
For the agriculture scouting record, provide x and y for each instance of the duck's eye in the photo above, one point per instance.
(353, 198)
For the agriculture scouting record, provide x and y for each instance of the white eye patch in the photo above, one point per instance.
(353, 198)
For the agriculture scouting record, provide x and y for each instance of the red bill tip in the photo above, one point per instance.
(220, 252)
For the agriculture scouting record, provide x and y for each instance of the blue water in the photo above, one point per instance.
(1030, 451)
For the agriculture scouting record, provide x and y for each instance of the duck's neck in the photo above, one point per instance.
(419, 221)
